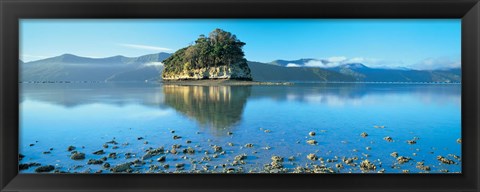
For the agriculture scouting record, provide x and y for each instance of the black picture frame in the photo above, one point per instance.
(13, 10)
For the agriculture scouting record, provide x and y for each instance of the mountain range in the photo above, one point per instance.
(68, 67)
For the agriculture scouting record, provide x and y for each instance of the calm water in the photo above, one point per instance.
(275, 119)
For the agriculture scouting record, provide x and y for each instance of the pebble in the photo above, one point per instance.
(217, 148)
(71, 148)
(312, 157)
(387, 138)
(99, 152)
(312, 142)
(162, 159)
(394, 154)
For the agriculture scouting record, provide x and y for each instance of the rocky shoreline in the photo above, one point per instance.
(201, 158)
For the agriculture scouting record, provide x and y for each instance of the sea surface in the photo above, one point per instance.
(275, 120)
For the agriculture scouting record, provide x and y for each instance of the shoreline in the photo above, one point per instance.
(208, 82)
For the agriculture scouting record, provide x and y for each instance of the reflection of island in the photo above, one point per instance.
(218, 107)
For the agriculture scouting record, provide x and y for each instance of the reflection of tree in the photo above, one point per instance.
(217, 107)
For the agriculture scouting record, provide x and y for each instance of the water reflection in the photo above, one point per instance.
(221, 107)
(218, 107)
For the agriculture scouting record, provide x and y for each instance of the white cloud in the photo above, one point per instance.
(336, 59)
(314, 63)
(145, 47)
(154, 64)
(293, 65)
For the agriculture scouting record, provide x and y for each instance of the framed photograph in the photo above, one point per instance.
(239, 95)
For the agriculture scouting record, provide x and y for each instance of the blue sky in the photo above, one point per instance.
(413, 43)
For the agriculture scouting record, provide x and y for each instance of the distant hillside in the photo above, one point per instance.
(268, 72)
(363, 73)
(70, 67)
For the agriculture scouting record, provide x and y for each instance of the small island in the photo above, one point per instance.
(216, 57)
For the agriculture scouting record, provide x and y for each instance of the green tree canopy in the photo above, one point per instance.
(220, 48)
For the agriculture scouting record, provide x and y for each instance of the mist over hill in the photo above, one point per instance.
(69, 67)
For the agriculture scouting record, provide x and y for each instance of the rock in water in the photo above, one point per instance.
(44, 169)
(122, 168)
(77, 156)
(367, 165)
(224, 61)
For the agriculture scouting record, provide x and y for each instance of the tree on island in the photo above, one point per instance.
(220, 48)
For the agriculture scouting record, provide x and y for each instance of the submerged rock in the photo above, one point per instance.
(241, 157)
(312, 157)
(94, 162)
(367, 165)
(43, 169)
(217, 148)
(77, 156)
(459, 140)
(403, 159)
(99, 152)
(162, 159)
(311, 133)
(445, 160)
(364, 134)
(394, 154)
(70, 148)
(277, 158)
(387, 138)
(125, 167)
(312, 142)
(112, 142)
(189, 150)
(339, 166)
(411, 142)
(112, 155)
(249, 145)
(153, 152)
(422, 166)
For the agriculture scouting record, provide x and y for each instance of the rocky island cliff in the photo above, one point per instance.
(218, 56)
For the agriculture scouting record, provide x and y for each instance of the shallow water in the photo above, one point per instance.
(89, 115)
